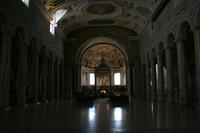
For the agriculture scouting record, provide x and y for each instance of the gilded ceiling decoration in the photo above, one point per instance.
(114, 58)
(132, 14)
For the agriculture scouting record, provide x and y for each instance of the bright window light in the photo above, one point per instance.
(26, 2)
(92, 79)
(117, 79)
(56, 17)
(52, 29)
(92, 113)
(117, 114)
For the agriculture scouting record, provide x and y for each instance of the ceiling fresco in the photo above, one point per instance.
(114, 58)
(132, 14)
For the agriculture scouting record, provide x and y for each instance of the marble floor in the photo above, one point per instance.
(100, 116)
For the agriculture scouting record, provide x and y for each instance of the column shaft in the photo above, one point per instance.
(148, 79)
(35, 72)
(153, 77)
(5, 70)
(197, 48)
(22, 73)
(170, 88)
(182, 70)
(44, 77)
(160, 77)
(58, 82)
(52, 79)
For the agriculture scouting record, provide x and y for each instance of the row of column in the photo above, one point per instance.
(47, 78)
(167, 73)
(27, 75)
(160, 76)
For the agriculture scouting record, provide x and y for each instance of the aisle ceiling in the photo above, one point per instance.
(132, 14)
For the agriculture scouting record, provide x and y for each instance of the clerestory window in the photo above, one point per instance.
(55, 18)
(92, 79)
(117, 79)
(26, 2)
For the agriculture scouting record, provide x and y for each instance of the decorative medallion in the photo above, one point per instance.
(101, 9)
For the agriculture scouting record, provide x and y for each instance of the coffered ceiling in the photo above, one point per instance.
(132, 14)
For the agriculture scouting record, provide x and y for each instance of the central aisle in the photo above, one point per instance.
(100, 116)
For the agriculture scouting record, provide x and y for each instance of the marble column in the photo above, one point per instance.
(22, 74)
(68, 83)
(137, 78)
(5, 69)
(49, 79)
(78, 84)
(58, 81)
(197, 51)
(182, 70)
(148, 79)
(62, 79)
(75, 79)
(160, 77)
(52, 79)
(169, 65)
(143, 80)
(131, 79)
(153, 77)
(35, 73)
(44, 77)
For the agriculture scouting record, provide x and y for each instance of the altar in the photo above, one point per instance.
(103, 77)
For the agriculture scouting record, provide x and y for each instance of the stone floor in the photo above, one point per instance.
(101, 116)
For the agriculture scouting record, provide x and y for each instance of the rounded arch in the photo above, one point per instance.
(110, 52)
(160, 47)
(153, 52)
(43, 49)
(32, 39)
(188, 52)
(186, 20)
(99, 40)
(81, 73)
(170, 40)
(184, 28)
(19, 32)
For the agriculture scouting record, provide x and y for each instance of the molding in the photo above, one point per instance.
(159, 9)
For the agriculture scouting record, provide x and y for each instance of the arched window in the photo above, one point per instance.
(92, 79)
(56, 17)
(117, 79)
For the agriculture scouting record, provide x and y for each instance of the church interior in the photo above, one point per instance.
(99, 66)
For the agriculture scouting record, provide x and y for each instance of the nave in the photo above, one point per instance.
(100, 116)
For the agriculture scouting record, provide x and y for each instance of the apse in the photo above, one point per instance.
(103, 66)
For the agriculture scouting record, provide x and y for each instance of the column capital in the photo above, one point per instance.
(152, 57)
(168, 48)
(160, 52)
(179, 40)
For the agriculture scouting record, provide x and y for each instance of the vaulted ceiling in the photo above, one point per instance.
(132, 14)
